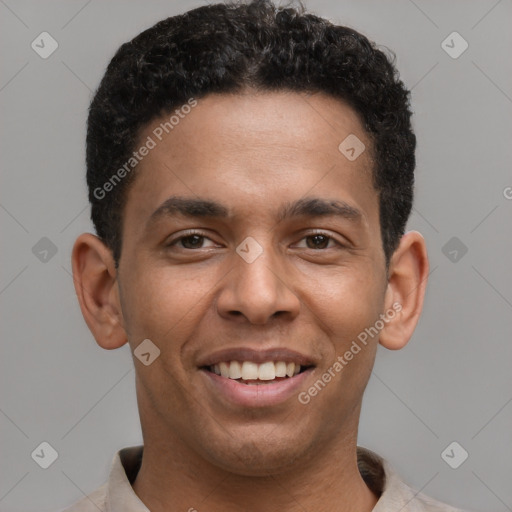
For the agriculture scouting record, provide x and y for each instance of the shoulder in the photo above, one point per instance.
(394, 493)
(398, 493)
(94, 502)
(423, 503)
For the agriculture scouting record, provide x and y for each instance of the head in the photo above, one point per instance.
(246, 224)
(226, 49)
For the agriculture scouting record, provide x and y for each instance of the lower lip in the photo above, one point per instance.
(257, 395)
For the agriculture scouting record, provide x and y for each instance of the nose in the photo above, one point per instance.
(258, 291)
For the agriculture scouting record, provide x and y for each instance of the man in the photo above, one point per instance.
(251, 173)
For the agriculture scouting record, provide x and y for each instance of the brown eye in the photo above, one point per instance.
(192, 241)
(318, 241)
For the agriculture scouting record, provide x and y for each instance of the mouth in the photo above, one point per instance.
(251, 373)
(249, 378)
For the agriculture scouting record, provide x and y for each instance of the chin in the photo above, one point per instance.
(255, 463)
(258, 454)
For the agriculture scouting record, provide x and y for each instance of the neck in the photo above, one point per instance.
(175, 478)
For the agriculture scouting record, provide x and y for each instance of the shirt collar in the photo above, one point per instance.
(377, 473)
(120, 495)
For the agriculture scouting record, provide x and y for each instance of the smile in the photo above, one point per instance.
(249, 391)
(251, 378)
(251, 373)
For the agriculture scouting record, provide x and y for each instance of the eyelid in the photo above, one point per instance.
(327, 234)
(185, 234)
(191, 232)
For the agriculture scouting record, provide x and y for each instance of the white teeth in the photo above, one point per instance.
(290, 369)
(280, 369)
(249, 371)
(235, 370)
(224, 369)
(267, 371)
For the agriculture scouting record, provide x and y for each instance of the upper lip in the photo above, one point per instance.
(256, 356)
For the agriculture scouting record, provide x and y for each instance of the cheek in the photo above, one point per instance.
(347, 367)
(162, 303)
(346, 301)
(354, 303)
(165, 309)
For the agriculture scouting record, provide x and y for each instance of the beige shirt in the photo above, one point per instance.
(117, 495)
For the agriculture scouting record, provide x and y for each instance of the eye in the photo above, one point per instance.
(196, 240)
(191, 240)
(319, 240)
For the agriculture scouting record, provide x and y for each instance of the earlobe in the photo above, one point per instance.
(96, 286)
(408, 273)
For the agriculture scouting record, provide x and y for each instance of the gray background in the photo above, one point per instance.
(451, 383)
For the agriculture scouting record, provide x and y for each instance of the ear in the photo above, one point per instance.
(96, 285)
(407, 282)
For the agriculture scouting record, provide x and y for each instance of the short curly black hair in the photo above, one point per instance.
(225, 48)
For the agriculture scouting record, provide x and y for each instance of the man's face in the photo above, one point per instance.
(317, 282)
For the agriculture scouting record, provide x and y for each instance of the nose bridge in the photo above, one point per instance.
(258, 275)
(257, 287)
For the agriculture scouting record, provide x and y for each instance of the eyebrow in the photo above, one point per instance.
(204, 208)
(317, 207)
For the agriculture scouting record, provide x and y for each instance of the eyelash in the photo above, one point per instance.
(202, 235)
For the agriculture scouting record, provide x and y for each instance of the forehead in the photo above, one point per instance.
(253, 148)
(266, 123)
